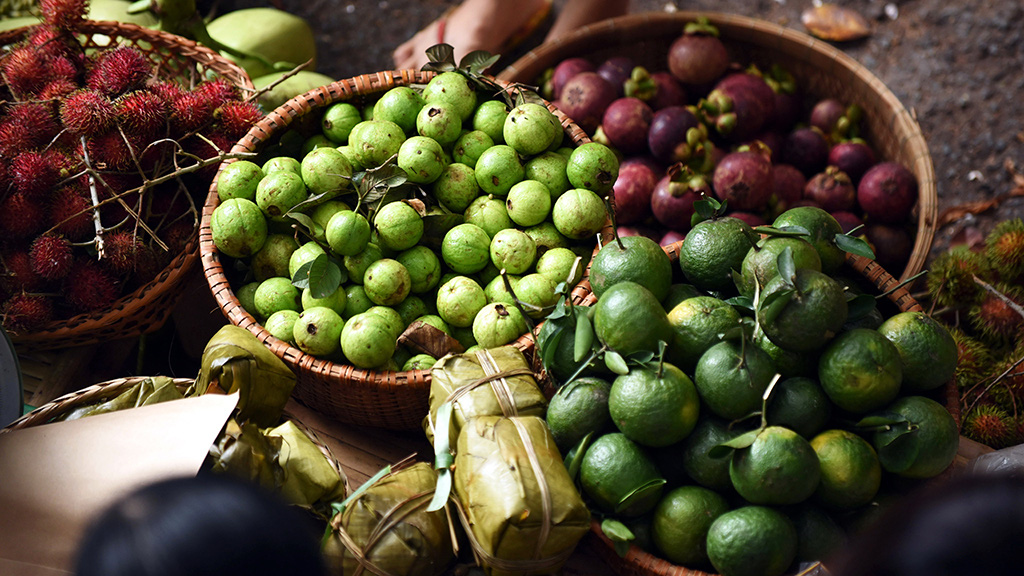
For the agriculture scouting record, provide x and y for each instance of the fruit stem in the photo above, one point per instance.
(615, 228)
(764, 399)
(94, 194)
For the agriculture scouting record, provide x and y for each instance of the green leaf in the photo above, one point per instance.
(880, 420)
(854, 245)
(738, 443)
(706, 208)
(435, 226)
(640, 493)
(584, 338)
(641, 356)
(325, 277)
(439, 55)
(773, 305)
(742, 302)
(574, 459)
(618, 533)
(301, 278)
(478, 61)
(787, 267)
(614, 361)
(784, 232)
(860, 306)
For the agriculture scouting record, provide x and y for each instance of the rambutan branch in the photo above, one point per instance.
(283, 77)
(1013, 305)
(95, 195)
(991, 384)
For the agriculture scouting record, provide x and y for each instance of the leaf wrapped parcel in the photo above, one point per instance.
(385, 529)
(491, 382)
(143, 393)
(236, 361)
(519, 506)
(310, 476)
(243, 451)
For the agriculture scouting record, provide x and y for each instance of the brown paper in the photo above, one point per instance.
(57, 477)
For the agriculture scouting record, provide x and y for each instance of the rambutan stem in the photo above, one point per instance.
(283, 77)
(1013, 305)
(95, 196)
(997, 379)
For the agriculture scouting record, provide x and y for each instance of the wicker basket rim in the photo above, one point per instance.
(651, 24)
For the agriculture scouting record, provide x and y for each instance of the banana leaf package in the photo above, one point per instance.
(145, 392)
(311, 477)
(489, 382)
(516, 500)
(234, 360)
(384, 527)
(243, 451)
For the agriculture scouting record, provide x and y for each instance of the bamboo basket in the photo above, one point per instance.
(392, 400)
(148, 307)
(819, 68)
(638, 562)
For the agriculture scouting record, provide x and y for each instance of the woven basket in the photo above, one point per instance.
(819, 68)
(147, 308)
(638, 562)
(382, 399)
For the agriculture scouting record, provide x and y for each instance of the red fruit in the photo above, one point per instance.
(671, 237)
(167, 90)
(847, 220)
(892, 245)
(625, 123)
(25, 313)
(119, 70)
(71, 214)
(143, 113)
(673, 198)
(237, 117)
(744, 180)
(741, 104)
(832, 190)
(216, 92)
(632, 191)
(16, 272)
(114, 150)
(88, 287)
(995, 318)
(565, 70)
(62, 13)
(177, 235)
(826, 113)
(854, 157)
(190, 112)
(807, 149)
(750, 218)
(122, 250)
(51, 256)
(39, 121)
(887, 193)
(21, 70)
(667, 136)
(34, 174)
(58, 90)
(14, 138)
(21, 217)
(668, 91)
(87, 112)
(616, 70)
(990, 426)
(585, 98)
(698, 57)
(787, 186)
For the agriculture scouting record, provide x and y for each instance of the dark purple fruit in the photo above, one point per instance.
(666, 137)
(744, 180)
(739, 105)
(893, 246)
(616, 70)
(585, 98)
(671, 237)
(832, 190)
(787, 110)
(565, 70)
(787, 186)
(638, 230)
(826, 114)
(698, 56)
(807, 150)
(632, 190)
(749, 217)
(847, 220)
(854, 157)
(774, 141)
(674, 195)
(668, 91)
(625, 123)
(887, 193)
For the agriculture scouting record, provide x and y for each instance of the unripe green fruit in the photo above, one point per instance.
(498, 169)
(238, 227)
(398, 226)
(465, 248)
(387, 282)
(356, 301)
(239, 180)
(528, 203)
(338, 120)
(497, 324)
(513, 250)
(456, 187)
(489, 118)
(278, 192)
(272, 258)
(422, 159)
(453, 89)
(282, 163)
(281, 324)
(375, 141)
(400, 105)
(530, 128)
(357, 264)
(579, 213)
(488, 212)
(459, 300)
(335, 300)
(593, 166)
(347, 233)
(326, 171)
(366, 341)
(439, 121)
(424, 268)
(275, 294)
(318, 331)
(470, 146)
(303, 254)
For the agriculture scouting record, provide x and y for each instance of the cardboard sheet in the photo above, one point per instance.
(55, 478)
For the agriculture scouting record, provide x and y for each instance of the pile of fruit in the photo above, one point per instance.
(98, 154)
(701, 123)
(979, 295)
(456, 205)
(747, 405)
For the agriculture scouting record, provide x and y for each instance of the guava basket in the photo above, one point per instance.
(820, 70)
(147, 308)
(638, 562)
(392, 400)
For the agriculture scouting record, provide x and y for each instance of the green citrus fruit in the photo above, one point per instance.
(752, 541)
(698, 323)
(732, 377)
(922, 447)
(804, 312)
(927, 350)
(713, 249)
(779, 468)
(850, 471)
(577, 409)
(635, 258)
(761, 262)
(860, 370)
(822, 228)
(654, 406)
(681, 521)
(818, 534)
(704, 469)
(799, 404)
(619, 477)
(629, 318)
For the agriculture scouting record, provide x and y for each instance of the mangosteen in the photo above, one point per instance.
(826, 114)
(847, 220)
(638, 230)
(671, 237)
(617, 70)
(787, 186)
(807, 149)
(564, 72)
(632, 191)
(893, 246)
(750, 218)
(674, 195)
(739, 105)
(625, 123)
(667, 91)
(774, 141)
(743, 178)
(832, 190)
(584, 99)
(887, 193)
(668, 138)
(698, 56)
(854, 157)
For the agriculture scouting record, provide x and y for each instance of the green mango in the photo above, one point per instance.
(279, 37)
(303, 81)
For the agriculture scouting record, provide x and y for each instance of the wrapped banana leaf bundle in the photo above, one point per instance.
(234, 360)
(384, 527)
(516, 500)
(311, 477)
(143, 393)
(489, 382)
(244, 451)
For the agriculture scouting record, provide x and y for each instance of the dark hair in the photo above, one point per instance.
(209, 524)
(964, 526)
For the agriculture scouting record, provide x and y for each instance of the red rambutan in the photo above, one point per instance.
(62, 13)
(168, 90)
(51, 256)
(990, 426)
(1005, 249)
(119, 70)
(71, 213)
(16, 272)
(237, 117)
(177, 235)
(113, 151)
(122, 251)
(27, 312)
(21, 217)
(203, 149)
(34, 174)
(22, 70)
(995, 318)
(216, 92)
(38, 120)
(142, 112)
(190, 112)
(87, 112)
(89, 287)
(57, 90)
(14, 138)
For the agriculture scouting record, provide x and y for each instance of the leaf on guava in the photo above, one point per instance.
(430, 340)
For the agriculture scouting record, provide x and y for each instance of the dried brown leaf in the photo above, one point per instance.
(835, 23)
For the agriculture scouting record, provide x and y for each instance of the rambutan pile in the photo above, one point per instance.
(979, 294)
(103, 161)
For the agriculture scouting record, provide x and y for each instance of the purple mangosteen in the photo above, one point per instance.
(832, 190)
(617, 70)
(847, 220)
(625, 123)
(854, 157)
(667, 136)
(585, 98)
(674, 195)
(633, 189)
(743, 178)
(668, 91)
(671, 237)
(698, 56)
(787, 186)
(739, 106)
(887, 193)
(893, 245)
(565, 70)
(806, 149)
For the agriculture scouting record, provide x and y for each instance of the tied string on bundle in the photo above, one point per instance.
(443, 457)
